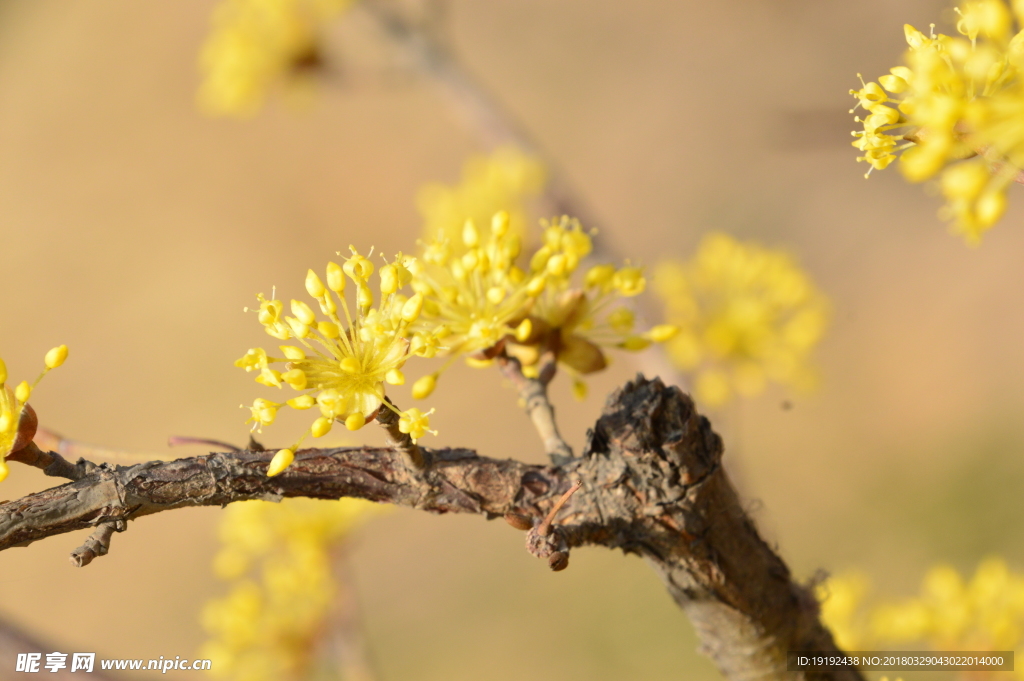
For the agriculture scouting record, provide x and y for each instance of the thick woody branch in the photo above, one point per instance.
(651, 483)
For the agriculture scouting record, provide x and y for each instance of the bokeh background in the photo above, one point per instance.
(135, 230)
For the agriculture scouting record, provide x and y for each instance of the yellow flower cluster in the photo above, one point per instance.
(576, 321)
(279, 558)
(955, 108)
(842, 598)
(255, 44)
(14, 433)
(747, 315)
(481, 303)
(984, 613)
(472, 300)
(506, 180)
(344, 360)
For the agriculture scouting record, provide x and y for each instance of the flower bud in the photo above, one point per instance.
(281, 460)
(55, 357)
(423, 386)
(335, 277)
(314, 286)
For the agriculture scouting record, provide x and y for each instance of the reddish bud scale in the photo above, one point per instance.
(518, 521)
(27, 426)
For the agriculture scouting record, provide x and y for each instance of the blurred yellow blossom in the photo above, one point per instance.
(506, 180)
(279, 558)
(344, 360)
(17, 421)
(955, 109)
(842, 598)
(256, 44)
(747, 315)
(985, 613)
(951, 613)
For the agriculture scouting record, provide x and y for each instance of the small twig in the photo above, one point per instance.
(51, 463)
(534, 394)
(544, 528)
(545, 541)
(478, 107)
(72, 449)
(410, 451)
(178, 440)
(96, 545)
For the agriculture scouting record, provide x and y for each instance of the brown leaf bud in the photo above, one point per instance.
(26, 428)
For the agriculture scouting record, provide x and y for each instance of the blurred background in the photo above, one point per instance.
(135, 229)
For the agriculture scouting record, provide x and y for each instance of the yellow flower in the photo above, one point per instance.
(344, 360)
(470, 301)
(255, 44)
(505, 180)
(747, 315)
(17, 421)
(278, 558)
(955, 109)
(576, 321)
(480, 303)
(415, 423)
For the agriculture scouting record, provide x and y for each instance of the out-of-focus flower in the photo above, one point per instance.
(985, 613)
(257, 44)
(17, 421)
(346, 359)
(956, 109)
(842, 599)
(951, 613)
(746, 315)
(506, 180)
(278, 558)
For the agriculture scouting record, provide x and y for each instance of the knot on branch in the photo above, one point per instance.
(651, 436)
(644, 415)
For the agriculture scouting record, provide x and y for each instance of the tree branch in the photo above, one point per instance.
(534, 395)
(652, 485)
(394, 437)
(479, 109)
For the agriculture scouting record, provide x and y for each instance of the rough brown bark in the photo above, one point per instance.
(652, 484)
